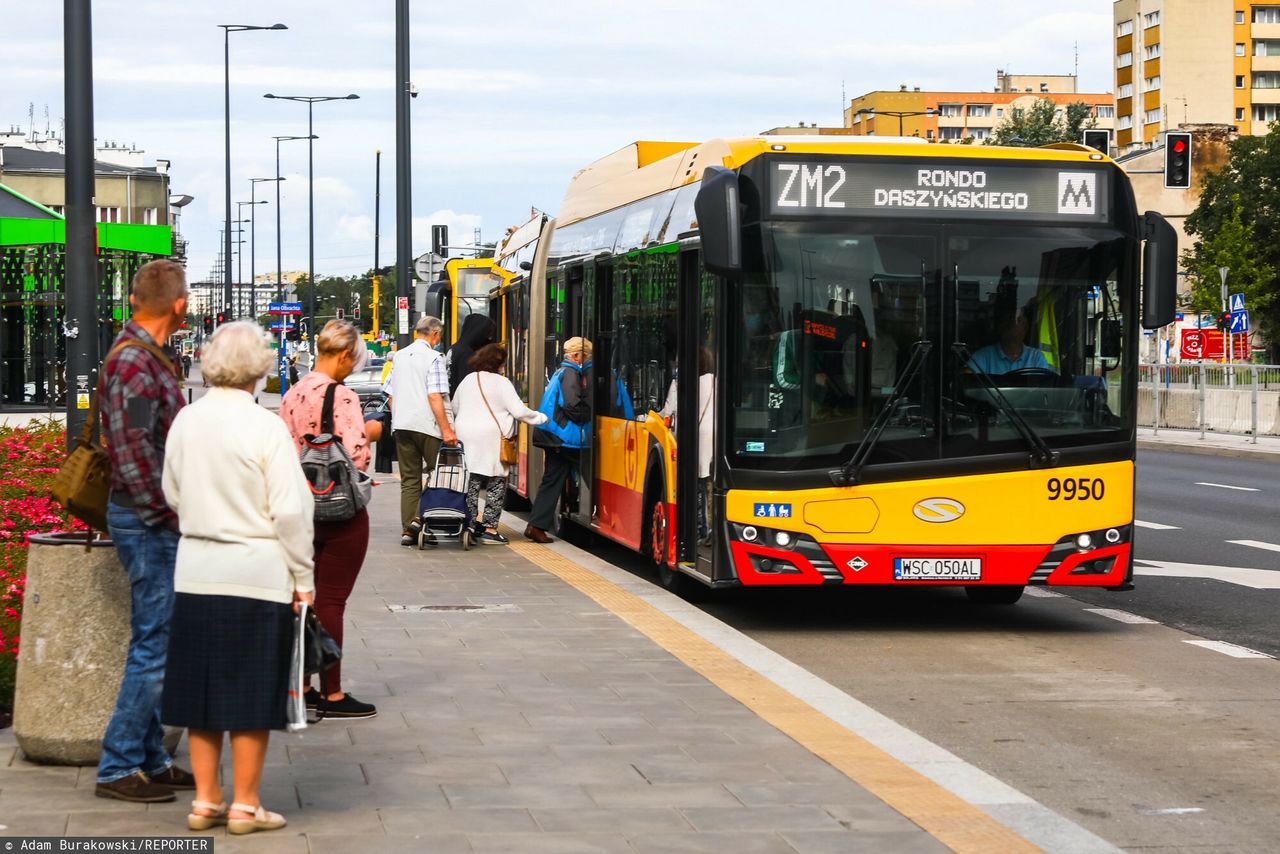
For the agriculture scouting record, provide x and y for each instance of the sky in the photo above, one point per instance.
(515, 95)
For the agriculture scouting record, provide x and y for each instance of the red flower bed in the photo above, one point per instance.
(29, 459)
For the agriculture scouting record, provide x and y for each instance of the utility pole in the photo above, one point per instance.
(404, 195)
(377, 238)
(80, 322)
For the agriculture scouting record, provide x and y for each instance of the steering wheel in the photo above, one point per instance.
(1030, 372)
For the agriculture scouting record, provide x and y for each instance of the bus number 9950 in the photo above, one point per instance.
(1076, 489)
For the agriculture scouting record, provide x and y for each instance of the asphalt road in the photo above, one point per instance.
(1204, 526)
(1153, 743)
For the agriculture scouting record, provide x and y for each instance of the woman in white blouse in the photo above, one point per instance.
(485, 410)
(244, 563)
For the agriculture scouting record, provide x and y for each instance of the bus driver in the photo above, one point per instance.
(1010, 352)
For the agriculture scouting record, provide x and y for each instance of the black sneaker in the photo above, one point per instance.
(347, 707)
(492, 539)
(312, 698)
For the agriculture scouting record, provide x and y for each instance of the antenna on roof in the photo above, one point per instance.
(1076, 70)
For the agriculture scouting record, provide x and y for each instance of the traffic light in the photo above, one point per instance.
(1224, 321)
(222, 318)
(440, 240)
(1177, 160)
(1099, 140)
(208, 324)
(342, 314)
(292, 334)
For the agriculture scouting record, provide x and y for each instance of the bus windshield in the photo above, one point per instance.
(1018, 321)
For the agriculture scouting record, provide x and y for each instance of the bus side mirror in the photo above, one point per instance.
(1159, 271)
(720, 221)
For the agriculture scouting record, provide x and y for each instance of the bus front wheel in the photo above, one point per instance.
(994, 594)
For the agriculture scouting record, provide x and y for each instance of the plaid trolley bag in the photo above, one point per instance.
(443, 506)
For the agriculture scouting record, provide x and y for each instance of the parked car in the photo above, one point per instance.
(367, 383)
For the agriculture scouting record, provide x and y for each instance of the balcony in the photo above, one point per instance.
(1265, 96)
(1265, 31)
(1266, 63)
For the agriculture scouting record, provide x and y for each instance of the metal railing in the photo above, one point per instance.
(1210, 397)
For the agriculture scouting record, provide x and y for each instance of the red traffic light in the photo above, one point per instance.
(1179, 146)
(222, 318)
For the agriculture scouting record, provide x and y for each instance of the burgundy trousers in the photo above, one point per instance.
(340, 550)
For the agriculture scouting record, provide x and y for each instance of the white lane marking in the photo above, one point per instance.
(1256, 544)
(1122, 616)
(1170, 810)
(1155, 526)
(1041, 593)
(1231, 649)
(1258, 579)
(1228, 486)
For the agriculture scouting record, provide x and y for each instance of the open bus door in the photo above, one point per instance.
(696, 415)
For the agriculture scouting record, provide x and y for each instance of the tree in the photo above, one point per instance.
(1040, 124)
(1238, 220)
(1232, 246)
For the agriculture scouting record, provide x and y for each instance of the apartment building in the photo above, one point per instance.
(957, 116)
(1195, 62)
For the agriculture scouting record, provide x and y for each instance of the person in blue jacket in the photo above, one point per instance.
(566, 433)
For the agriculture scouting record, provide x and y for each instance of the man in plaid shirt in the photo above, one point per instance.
(141, 395)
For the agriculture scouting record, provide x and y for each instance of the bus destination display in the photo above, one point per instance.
(947, 189)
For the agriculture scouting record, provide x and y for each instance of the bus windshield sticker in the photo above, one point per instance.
(754, 448)
(772, 511)
(985, 191)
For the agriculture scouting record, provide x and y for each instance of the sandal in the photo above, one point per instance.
(262, 820)
(207, 822)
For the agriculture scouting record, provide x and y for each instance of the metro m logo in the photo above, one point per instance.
(1077, 193)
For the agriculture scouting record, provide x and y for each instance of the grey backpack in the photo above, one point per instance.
(339, 488)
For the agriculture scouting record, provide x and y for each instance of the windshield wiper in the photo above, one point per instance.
(852, 471)
(1042, 456)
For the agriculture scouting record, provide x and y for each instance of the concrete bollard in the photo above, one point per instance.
(75, 635)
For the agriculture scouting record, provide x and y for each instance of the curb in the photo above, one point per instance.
(1208, 450)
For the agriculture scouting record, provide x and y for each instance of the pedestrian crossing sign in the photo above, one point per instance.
(1237, 302)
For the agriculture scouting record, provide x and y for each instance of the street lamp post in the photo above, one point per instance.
(311, 101)
(240, 206)
(253, 246)
(279, 262)
(899, 114)
(227, 30)
(282, 362)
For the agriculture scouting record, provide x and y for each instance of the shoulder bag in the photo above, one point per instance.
(83, 484)
(509, 451)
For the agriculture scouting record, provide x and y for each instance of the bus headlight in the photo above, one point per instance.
(1084, 542)
(1113, 535)
(782, 538)
(749, 534)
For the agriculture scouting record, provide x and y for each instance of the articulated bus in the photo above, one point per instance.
(858, 361)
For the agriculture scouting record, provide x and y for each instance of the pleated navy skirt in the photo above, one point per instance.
(228, 665)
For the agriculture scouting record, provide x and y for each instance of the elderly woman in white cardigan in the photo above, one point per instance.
(244, 563)
(485, 409)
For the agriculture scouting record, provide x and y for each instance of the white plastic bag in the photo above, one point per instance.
(297, 708)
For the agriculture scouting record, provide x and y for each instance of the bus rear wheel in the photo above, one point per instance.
(994, 594)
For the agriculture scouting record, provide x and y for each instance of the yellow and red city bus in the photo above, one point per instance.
(916, 364)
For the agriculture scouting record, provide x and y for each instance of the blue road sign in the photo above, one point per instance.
(772, 511)
(1237, 302)
(284, 308)
(1239, 322)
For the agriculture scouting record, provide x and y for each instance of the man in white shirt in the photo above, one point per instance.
(419, 390)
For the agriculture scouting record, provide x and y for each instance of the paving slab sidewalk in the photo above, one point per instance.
(541, 723)
(1213, 444)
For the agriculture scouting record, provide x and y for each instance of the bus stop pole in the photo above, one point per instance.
(1202, 397)
(80, 317)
